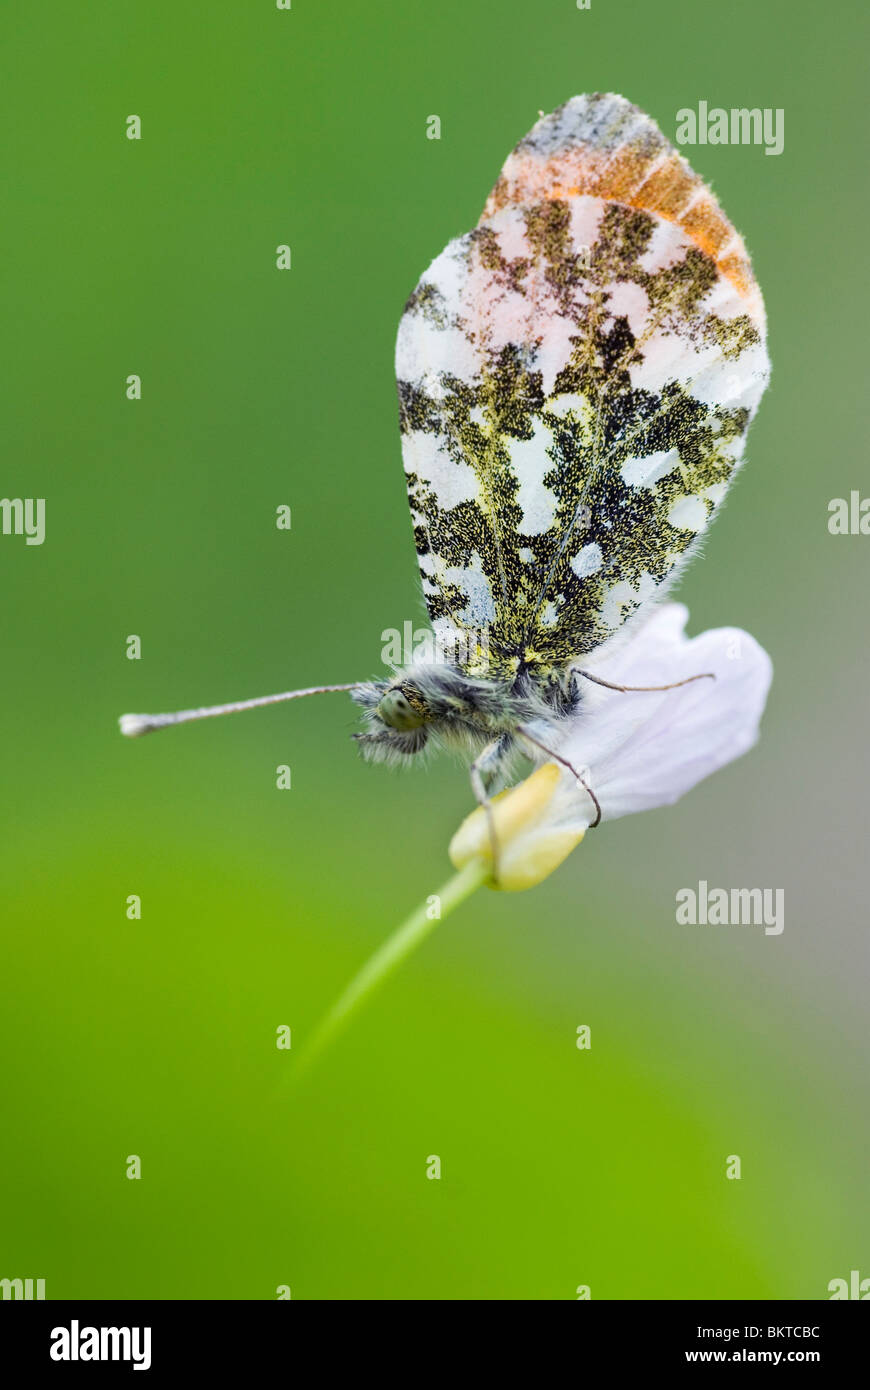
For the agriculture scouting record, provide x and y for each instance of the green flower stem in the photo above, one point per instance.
(396, 949)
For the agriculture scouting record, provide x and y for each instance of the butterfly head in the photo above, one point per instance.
(404, 707)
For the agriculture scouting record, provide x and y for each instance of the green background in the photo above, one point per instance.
(260, 387)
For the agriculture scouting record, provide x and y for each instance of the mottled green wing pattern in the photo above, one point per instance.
(576, 379)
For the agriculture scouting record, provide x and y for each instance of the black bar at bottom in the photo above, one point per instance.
(214, 1338)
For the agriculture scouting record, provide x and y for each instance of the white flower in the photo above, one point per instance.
(636, 750)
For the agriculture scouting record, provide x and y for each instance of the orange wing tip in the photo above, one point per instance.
(603, 146)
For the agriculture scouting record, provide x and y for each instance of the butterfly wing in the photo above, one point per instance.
(576, 378)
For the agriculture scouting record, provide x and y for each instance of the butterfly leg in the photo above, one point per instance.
(704, 675)
(557, 757)
(484, 766)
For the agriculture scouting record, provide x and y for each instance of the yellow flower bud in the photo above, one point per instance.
(531, 843)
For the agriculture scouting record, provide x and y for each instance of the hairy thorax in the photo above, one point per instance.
(442, 703)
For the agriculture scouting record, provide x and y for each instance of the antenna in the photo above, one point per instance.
(134, 725)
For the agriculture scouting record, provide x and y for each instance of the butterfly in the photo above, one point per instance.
(576, 378)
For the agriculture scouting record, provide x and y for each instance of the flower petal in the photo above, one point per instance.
(635, 749)
(646, 749)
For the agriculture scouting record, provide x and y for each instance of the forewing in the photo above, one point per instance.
(576, 378)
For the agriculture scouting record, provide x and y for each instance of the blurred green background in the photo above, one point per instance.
(559, 1167)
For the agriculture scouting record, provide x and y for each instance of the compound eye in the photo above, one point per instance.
(397, 712)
